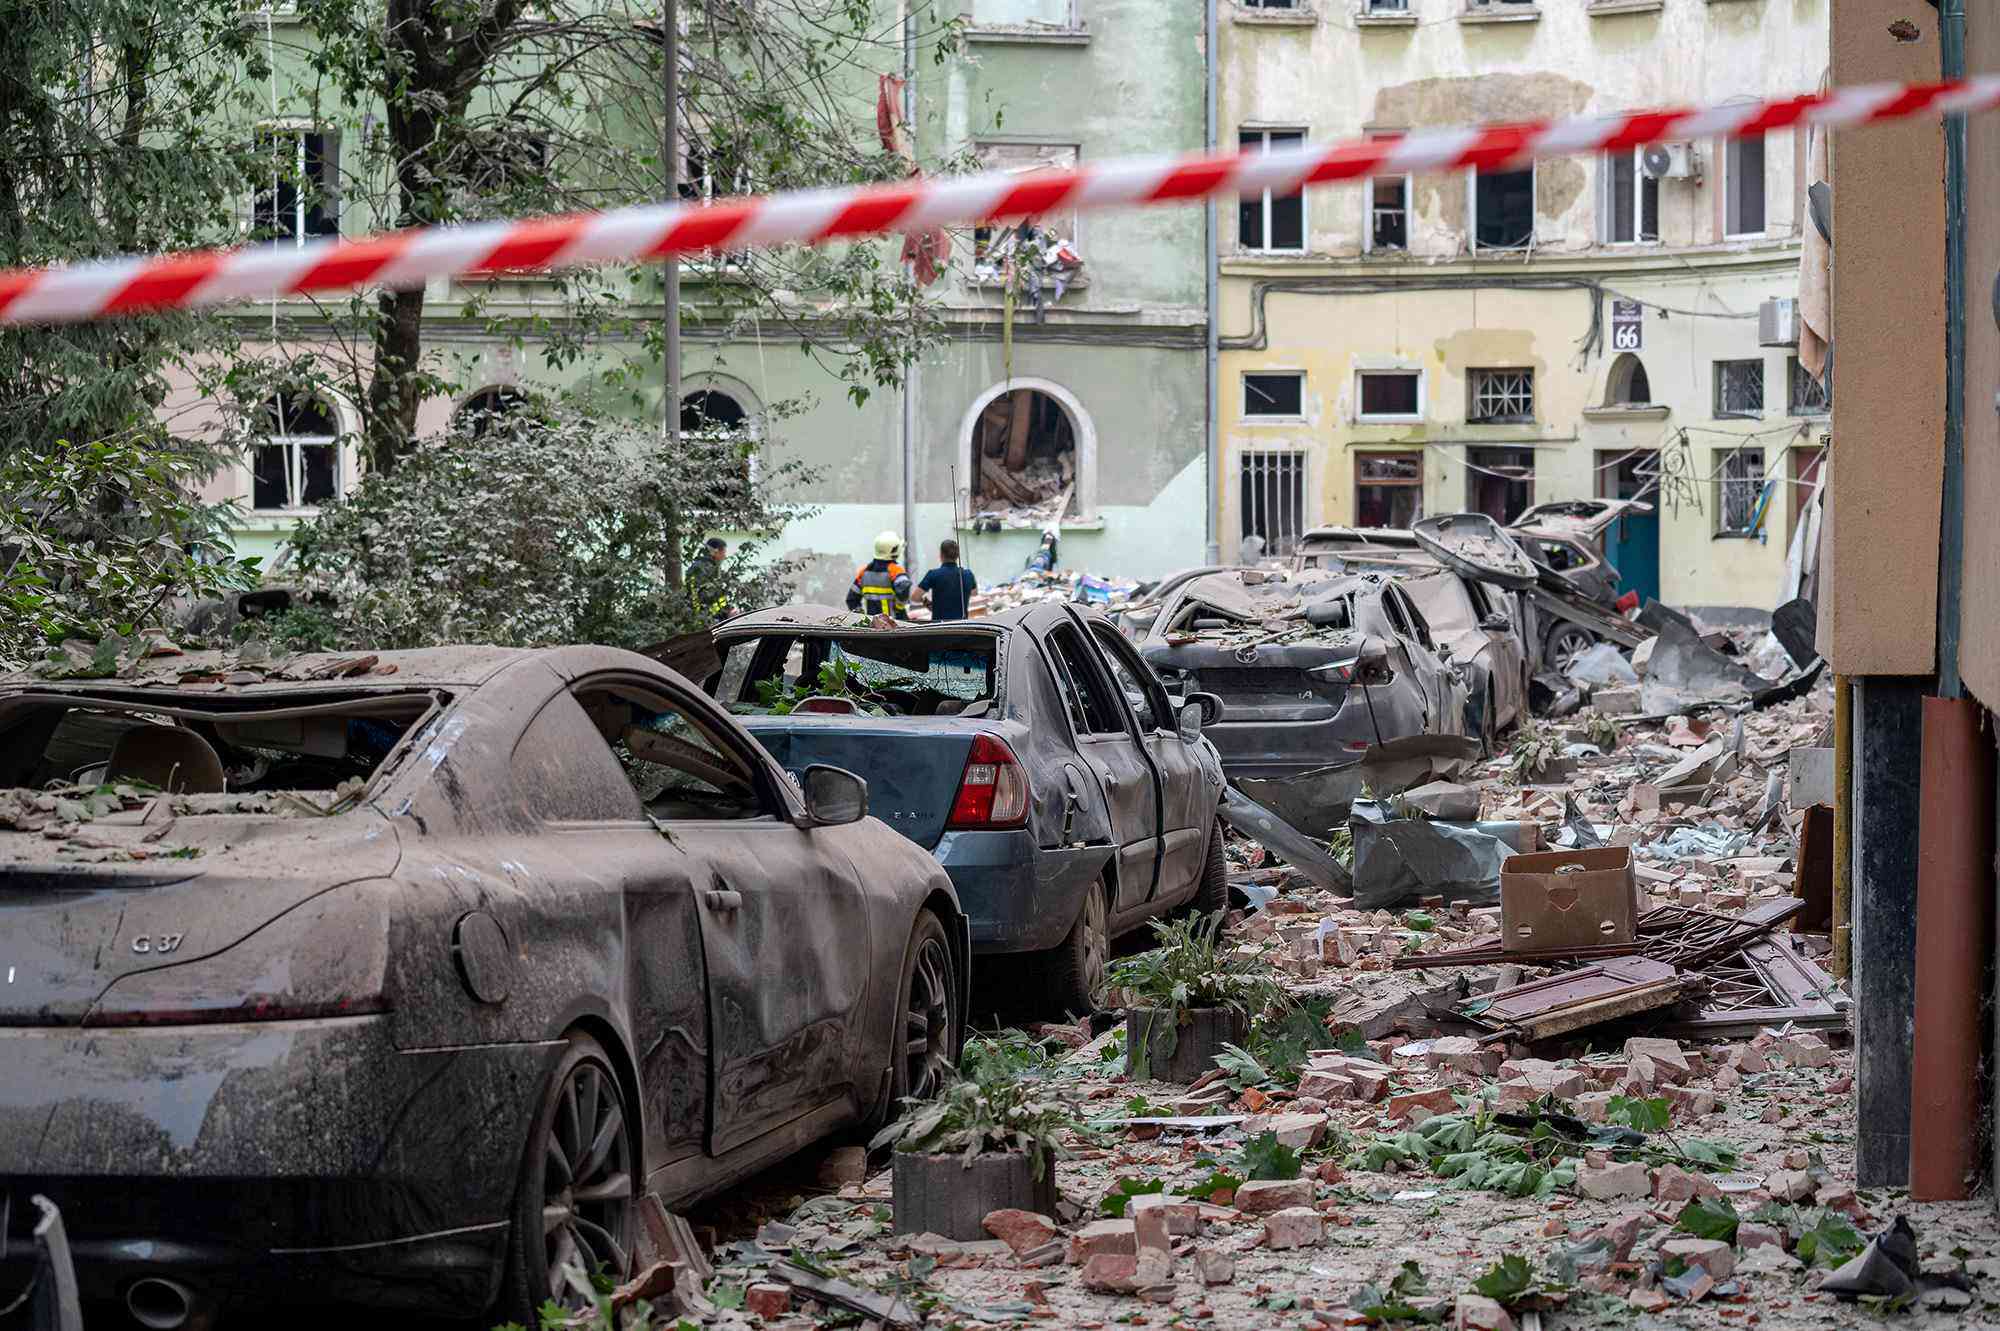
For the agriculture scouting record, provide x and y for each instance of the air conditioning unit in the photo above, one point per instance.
(1778, 322)
(1671, 161)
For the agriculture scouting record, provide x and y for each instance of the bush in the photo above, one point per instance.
(547, 528)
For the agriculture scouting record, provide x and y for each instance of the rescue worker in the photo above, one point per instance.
(703, 579)
(948, 588)
(882, 587)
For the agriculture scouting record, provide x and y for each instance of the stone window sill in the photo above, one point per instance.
(1274, 18)
(1077, 36)
(1631, 413)
(1501, 13)
(1385, 19)
(1627, 6)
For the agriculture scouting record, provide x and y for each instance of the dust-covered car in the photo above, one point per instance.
(1312, 670)
(1031, 752)
(401, 978)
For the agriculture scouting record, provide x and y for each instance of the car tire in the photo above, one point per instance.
(1074, 968)
(1489, 723)
(1212, 894)
(582, 1105)
(929, 1027)
(1566, 642)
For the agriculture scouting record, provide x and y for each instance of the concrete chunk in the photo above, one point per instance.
(1260, 1196)
(1613, 1181)
(1293, 1227)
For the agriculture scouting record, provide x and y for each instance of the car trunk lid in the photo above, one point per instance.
(912, 765)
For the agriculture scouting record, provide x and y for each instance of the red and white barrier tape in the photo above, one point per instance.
(409, 258)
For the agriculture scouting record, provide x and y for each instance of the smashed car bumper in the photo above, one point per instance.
(270, 1158)
(1017, 896)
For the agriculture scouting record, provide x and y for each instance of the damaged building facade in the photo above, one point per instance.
(1075, 396)
(1612, 328)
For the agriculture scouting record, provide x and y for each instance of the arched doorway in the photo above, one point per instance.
(1030, 451)
(485, 409)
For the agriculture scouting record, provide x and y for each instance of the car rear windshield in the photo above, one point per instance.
(872, 674)
(309, 746)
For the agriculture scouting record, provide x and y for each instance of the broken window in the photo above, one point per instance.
(1281, 395)
(991, 246)
(1268, 4)
(1024, 459)
(1743, 187)
(1626, 474)
(712, 168)
(678, 765)
(1807, 396)
(488, 408)
(710, 409)
(1627, 385)
(1501, 397)
(1739, 388)
(1500, 482)
(1630, 213)
(209, 743)
(1503, 208)
(1388, 489)
(295, 459)
(1387, 6)
(1388, 208)
(298, 195)
(895, 673)
(1266, 222)
(1392, 395)
(1739, 489)
(1273, 504)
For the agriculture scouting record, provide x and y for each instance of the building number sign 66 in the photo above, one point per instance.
(1627, 325)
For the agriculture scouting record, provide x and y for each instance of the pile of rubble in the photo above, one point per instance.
(1062, 585)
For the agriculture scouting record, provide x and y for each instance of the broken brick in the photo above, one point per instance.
(1790, 1185)
(1476, 1312)
(1750, 1235)
(1614, 1180)
(767, 1300)
(1215, 1267)
(1101, 1237)
(1293, 1227)
(1711, 1255)
(1436, 1101)
(1260, 1196)
(1670, 1062)
(1020, 1230)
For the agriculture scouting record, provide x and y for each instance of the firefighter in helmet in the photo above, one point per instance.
(882, 587)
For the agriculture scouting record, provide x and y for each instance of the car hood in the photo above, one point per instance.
(1477, 546)
(1587, 518)
(90, 895)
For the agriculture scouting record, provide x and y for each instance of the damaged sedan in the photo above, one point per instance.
(1312, 672)
(402, 979)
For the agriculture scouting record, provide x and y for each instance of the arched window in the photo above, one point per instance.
(1626, 385)
(712, 409)
(1025, 457)
(295, 461)
(484, 409)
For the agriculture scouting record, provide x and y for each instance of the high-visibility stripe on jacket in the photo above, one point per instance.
(884, 590)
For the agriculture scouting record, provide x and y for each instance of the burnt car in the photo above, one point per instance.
(1032, 752)
(1312, 670)
(1579, 582)
(402, 978)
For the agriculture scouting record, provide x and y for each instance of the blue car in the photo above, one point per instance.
(1033, 753)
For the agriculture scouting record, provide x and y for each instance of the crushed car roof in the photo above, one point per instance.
(249, 669)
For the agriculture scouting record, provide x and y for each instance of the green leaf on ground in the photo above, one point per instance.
(1265, 1157)
(1709, 1218)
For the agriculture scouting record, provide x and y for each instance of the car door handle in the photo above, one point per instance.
(722, 898)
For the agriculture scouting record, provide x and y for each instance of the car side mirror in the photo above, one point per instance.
(834, 795)
(1198, 710)
(1496, 623)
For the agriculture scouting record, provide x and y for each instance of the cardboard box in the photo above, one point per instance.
(1568, 898)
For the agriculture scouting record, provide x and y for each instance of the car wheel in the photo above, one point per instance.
(1566, 642)
(1489, 723)
(1213, 893)
(1076, 966)
(573, 1206)
(930, 1026)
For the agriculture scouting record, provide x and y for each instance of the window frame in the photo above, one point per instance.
(329, 197)
(782, 804)
(1472, 174)
(1607, 189)
(1818, 405)
(1730, 149)
(294, 447)
(1415, 483)
(1474, 377)
(1263, 134)
(1363, 416)
(1718, 378)
(1301, 468)
(1297, 376)
(1723, 484)
(1368, 205)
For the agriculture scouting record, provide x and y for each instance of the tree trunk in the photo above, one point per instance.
(395, 387)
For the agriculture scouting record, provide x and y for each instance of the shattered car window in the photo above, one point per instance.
(1445, 603)
(881, 674)
(273, 755)
(676, 767)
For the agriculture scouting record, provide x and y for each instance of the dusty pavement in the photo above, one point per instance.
(1391, 1131)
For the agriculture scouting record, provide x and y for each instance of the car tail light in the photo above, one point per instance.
(993, 792)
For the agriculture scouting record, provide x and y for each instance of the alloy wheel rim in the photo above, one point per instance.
(927, 1021)
(1568, 649)
(1094, 946)
(586, 1187)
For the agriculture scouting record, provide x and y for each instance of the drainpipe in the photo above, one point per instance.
(1210, 281)
(1955, 823)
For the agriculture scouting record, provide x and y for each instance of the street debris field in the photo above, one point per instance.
(1444, 1109)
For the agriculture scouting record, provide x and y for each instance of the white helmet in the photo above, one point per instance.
(888, 545)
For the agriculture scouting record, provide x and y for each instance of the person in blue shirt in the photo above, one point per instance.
(948, 588)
